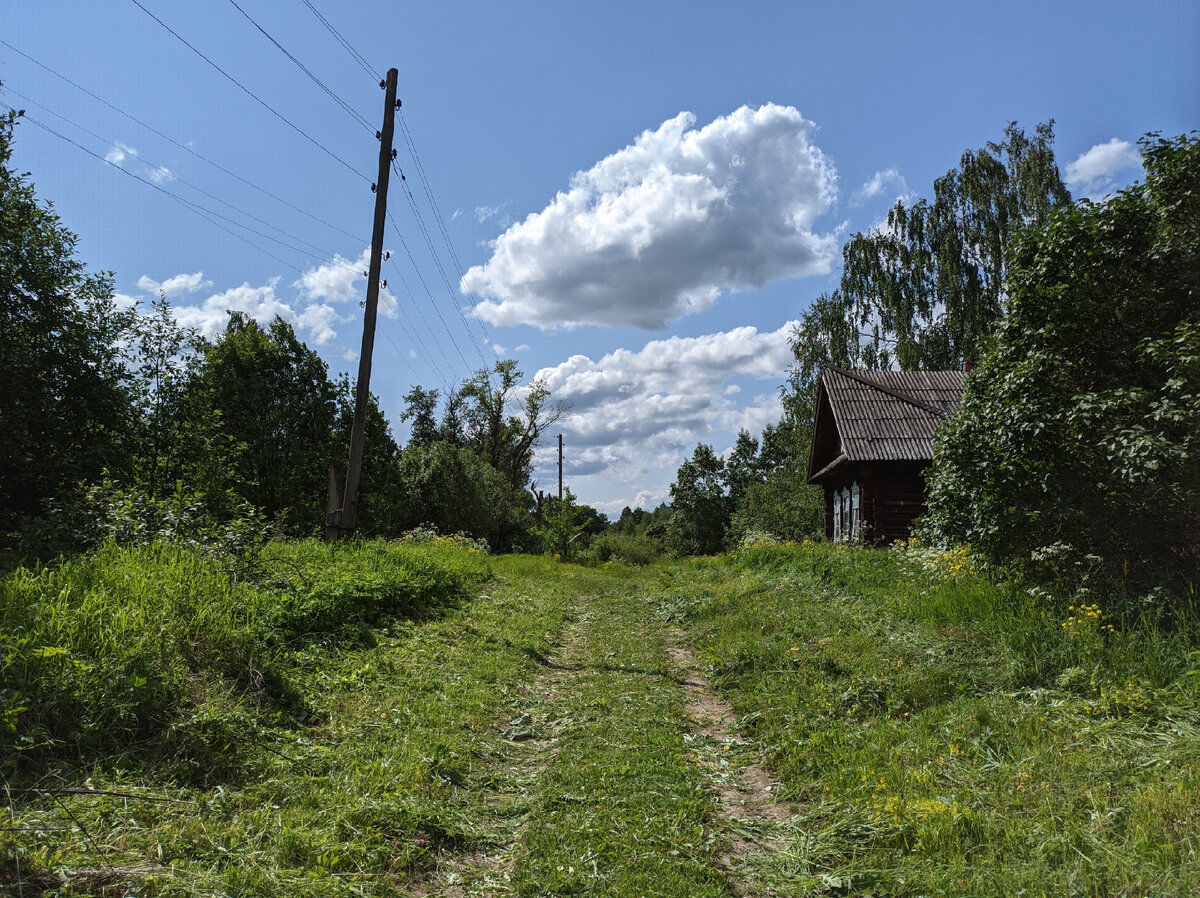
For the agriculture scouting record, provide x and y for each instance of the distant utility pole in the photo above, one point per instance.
(560, 467)
(343, 514)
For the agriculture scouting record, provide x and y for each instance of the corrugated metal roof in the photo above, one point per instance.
(891, 415)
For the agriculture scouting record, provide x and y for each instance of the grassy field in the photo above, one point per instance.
(417, 718)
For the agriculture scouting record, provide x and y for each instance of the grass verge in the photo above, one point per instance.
(944, 736)
(392, 763)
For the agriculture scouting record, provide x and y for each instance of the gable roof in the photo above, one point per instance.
(880, 416)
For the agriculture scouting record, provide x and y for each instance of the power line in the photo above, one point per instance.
(358, 58)
(403, 309)
(215, 219)
(424, 285)
(354, 54)
(184, 147)
(440, 219)
(404, 358)
(194, 207)
(321, 84)
(437, 262)
(203, 212)
(254, 96)
(313, 247)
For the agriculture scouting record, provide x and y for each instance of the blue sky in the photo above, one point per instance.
(634, 200)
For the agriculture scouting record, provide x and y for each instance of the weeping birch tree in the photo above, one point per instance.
(925, 289)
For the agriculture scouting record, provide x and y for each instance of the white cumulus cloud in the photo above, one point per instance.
(1094, 173)
(659, 229)
(260, 303)
(633, 412)
(337, 281)
(174, 286)
(887, 180)
(315, 305)
(334, 280)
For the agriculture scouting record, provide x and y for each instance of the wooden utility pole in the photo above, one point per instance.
(560, 468)
(341, 523)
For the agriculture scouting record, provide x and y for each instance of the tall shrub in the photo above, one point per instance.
(1077, 448)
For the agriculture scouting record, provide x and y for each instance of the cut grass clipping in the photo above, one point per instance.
(415, 718)
(945, 736)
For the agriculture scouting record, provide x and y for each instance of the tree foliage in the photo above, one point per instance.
(506, 441)
(381, 489)
(716, 503)
(66, 413)
(700, 508)
(165, 358)
(420, 408)
(1078, 442)
(922, 291)
(456, 491)
(125, 409)
(269, 398)
(564, 525)
(470, 472)
(780, 502)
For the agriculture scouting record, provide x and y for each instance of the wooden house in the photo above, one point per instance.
(872, 441)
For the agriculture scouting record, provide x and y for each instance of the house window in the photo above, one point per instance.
(847, 504)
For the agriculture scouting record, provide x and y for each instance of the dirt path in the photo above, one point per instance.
(613, 662)
(744, 789)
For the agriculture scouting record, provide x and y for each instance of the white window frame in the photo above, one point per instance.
(855, 507)
(837, 516)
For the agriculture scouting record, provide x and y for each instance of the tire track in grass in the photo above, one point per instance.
(755, 819)
(524, 742)
(620, 771)
(620, 809)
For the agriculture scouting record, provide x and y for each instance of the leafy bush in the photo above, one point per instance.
(165, 651)
(100, 655)
(454, 490)
(1076, 452)
(325, 589)
(221, 524)
(630, 548)
(785, 506)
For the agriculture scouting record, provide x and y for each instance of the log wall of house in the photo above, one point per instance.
(900, 499)
(893, 494)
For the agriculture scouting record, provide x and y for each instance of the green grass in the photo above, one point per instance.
(415, 718)
(945, 736)
(161, 653)
(356, 793)
(620, 809)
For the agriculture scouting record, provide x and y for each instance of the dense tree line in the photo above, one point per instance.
(1076, 455)
(758, 490)
(121, 414)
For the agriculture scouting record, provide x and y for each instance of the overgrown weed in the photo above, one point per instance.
(164, 652)
(936, 725)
